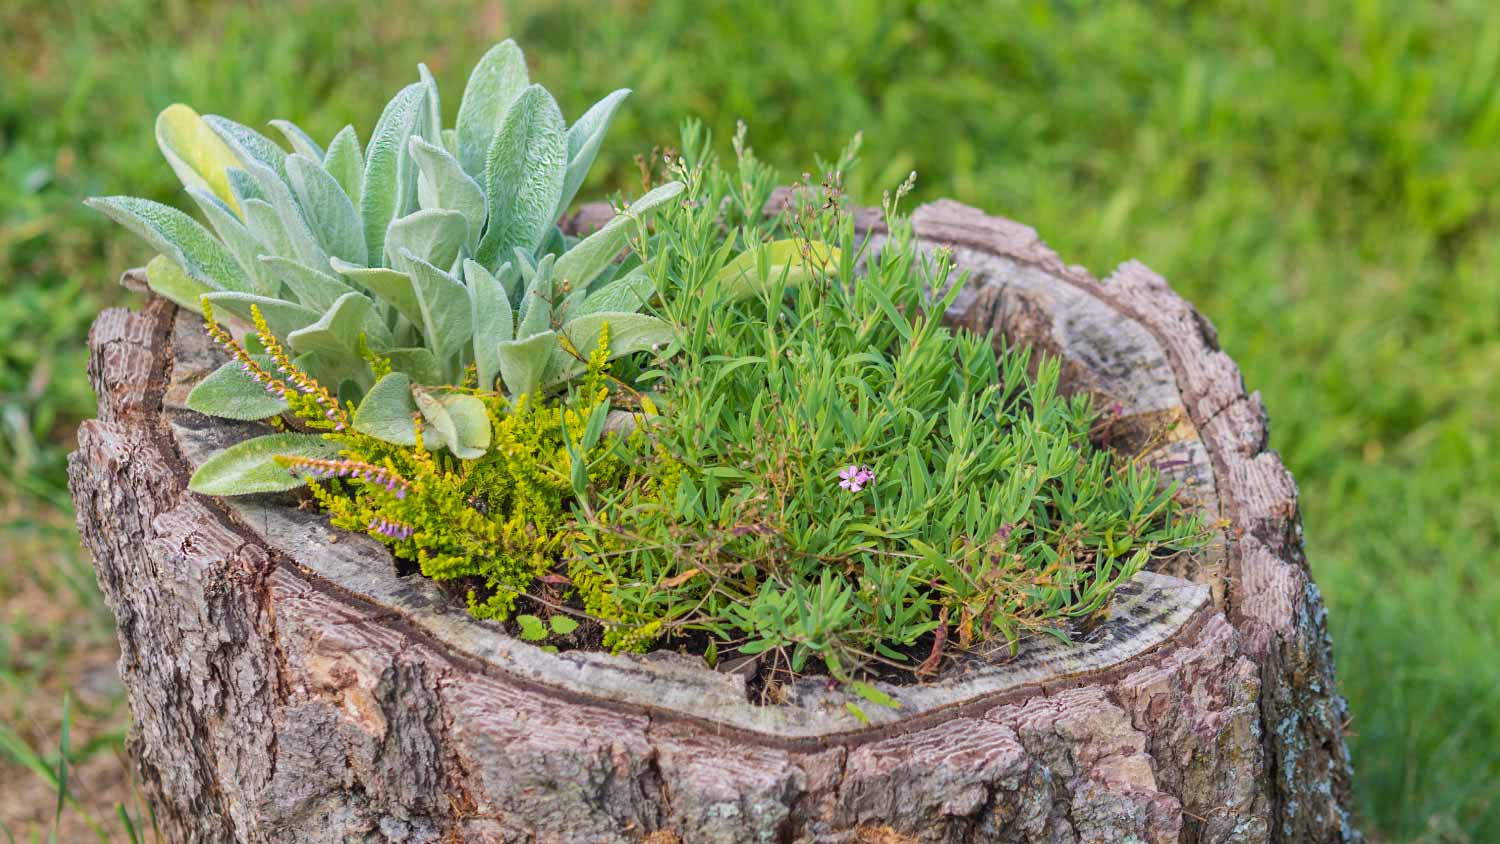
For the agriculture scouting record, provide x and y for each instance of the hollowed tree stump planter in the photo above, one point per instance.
(288, 685)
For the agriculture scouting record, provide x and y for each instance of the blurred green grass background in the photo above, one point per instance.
(1318, 176)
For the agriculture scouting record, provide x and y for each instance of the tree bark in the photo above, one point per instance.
(288, 685)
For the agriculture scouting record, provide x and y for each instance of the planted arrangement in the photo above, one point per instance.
(704, 426)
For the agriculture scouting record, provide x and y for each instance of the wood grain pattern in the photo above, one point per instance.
(287, 685)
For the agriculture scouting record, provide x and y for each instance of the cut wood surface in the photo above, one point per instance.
(288, 685)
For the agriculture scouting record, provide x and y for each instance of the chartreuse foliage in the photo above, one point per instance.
(836, 474)
(433, 249)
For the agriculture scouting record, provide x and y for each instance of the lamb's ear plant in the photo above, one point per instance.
(434, 249)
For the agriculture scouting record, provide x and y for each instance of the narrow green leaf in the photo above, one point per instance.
(251, 466)
(494, 323)
(496, 81)
(230, 393)
(265, 225)
(346, 163)
(874, 695)
(535, 312)
(432, 128)
(628, 294)
(523, 176)
(249, 145)
(584, 139)
(301, 143)
(444, 304)
(177, 236)
(389, 188)
(328, 210)
(237, 238)
(591, 255)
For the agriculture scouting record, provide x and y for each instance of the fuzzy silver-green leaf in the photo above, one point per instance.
(251, 466)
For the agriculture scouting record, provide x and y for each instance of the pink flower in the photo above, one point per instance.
(854, 478)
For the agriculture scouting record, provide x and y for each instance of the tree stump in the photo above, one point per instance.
(288, 685)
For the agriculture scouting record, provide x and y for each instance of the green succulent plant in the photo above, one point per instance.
(425, 252)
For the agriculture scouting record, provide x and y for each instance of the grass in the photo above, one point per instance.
(1317, 176)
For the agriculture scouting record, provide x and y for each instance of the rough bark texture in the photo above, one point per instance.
(288, 685)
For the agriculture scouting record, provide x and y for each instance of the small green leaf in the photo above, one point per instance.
(168, 281)
(562, 625)
(386, 412)
(523, 176)
(265, 225)
(440, 431)
(874, 695)
(336, 333)
(496, 81)
(230, 393)
(390, 286)
(251, 466)
(460, 420)
(433, 234)
(432, 128)
(741, 277)
(522, 362)
(444, 302)
(857, 712)
(532, 628)
(535, 311)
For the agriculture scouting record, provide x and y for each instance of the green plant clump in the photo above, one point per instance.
(839, 474)
(749, 433)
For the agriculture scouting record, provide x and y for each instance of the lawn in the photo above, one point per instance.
(1316, 176)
